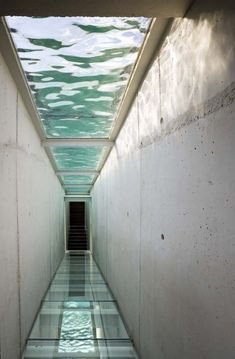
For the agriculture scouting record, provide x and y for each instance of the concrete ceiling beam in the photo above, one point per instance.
(148, 8)
(70, 142)
(80, 185)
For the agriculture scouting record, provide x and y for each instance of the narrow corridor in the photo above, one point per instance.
(129, 108)
(79, 317)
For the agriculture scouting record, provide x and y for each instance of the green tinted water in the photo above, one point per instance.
(77, 68)
(77, 179)
(77, 157)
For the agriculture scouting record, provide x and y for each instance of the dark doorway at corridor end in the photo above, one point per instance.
(77, 238)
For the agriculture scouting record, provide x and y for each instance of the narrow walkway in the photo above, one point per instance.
(78, 317)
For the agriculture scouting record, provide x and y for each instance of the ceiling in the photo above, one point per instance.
(149, 8)
(77, 70)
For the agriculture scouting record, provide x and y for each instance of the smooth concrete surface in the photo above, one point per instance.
(31, 220)
(163, 207)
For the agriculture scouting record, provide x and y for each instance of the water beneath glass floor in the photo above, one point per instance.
(78, 317)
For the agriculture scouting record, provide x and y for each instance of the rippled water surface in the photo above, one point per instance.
(77, 68)
(77, 157)
(74, 325)
(78, 328)
(77, 179)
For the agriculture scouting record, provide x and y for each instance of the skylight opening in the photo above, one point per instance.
(77, 69)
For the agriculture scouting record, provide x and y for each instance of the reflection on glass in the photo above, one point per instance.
(78, 320)
(83, 325)
(76, 324)
(78, 269)
(83, 349)
(78, 292)
(73, 273)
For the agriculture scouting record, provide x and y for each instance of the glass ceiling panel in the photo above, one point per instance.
(83, 189)
(77, 157)
(77, 179)
(78, 191)
(77, 68)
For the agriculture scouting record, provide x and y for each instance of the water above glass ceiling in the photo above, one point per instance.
(77, 69)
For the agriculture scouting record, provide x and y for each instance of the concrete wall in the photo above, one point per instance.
(31, 220)
(163, 207)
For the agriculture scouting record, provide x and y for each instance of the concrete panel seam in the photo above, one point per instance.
(140, 214)
(17, 222)
(160, 86)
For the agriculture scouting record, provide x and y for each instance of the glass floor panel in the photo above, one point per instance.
(64, 279)
(88, 277)
(80, 258)
(83, 260)
(94, 349)
(78, 317)
(87, 264)
(78, 320)
(78, 292)
(72, 260)
(74, 285)
(63, 273)
(75, 266)
(78, 268)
